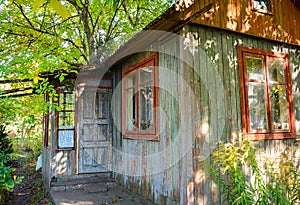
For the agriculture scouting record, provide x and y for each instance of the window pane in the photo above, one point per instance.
(279, 107)
(276, 70)
(131, 109)
(66, 101)
(131, 80)
(255, 68)
(262, 5)
(65, 138)
(257, 106)
(66, 120)
(146, 107)
(146, 74)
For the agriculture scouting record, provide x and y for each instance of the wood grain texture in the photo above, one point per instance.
(209, 60)
(282, 24)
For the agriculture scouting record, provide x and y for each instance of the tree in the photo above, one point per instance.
(38, 37)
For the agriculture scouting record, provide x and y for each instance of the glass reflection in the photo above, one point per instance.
(255, 68)
(276, 71)
(146, 105)
(279, 107)
(131, 109)
(257, 106)
(262, 5)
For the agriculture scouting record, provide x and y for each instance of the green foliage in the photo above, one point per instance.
(5, 142)
(34, 143)
(26, 120)
(14, 111)
(7, 181)
(274, 181)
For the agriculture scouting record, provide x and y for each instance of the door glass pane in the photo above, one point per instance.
(131, 109)
(146, 74)
(66, 101)
(131, 80)
(146, 107)
(276, 70)
(279, 107)
(66, 120)
(257, 106)
(65, 138)
(263, 5)
(255, 68)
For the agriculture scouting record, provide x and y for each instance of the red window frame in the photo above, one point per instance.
(139, 134)
(271, 133)
(57, 118)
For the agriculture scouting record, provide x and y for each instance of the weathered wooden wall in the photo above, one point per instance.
(57, 163)
(237, 15)
(221, 49)
(206, 59)
(163, 179)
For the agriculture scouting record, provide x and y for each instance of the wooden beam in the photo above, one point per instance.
(14, 81)
(41, 75)
(16, 95)
(4, 92)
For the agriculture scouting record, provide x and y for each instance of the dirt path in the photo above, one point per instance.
(31, 190)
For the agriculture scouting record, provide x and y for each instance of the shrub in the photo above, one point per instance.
(5, 142)
(274, 181)
(7, 181)
(34, 143)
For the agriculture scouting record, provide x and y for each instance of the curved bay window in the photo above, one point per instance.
(140, 100)
(266, 94)
(65, 115)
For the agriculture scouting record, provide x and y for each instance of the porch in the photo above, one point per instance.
(93, 190)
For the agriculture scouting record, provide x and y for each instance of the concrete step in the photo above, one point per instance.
(98, 183)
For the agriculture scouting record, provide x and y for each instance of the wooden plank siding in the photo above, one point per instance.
(163, 186)
(225, 44)
(57, 164)
(206, 59)
(282, 25)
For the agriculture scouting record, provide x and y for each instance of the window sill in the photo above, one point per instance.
(141, 136)
(270, 13)
(271, 136)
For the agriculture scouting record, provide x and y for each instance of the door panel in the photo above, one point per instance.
(94, 131)
(102, 110)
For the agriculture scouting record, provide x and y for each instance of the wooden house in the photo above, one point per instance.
(217, 70)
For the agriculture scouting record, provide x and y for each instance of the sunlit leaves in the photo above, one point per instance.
(37, 4)
(36, 79)
(60, 9)
(18, 1)
(274, 180)
(50, 35)
(56, 5)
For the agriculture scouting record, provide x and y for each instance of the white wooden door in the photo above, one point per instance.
(94, 154)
